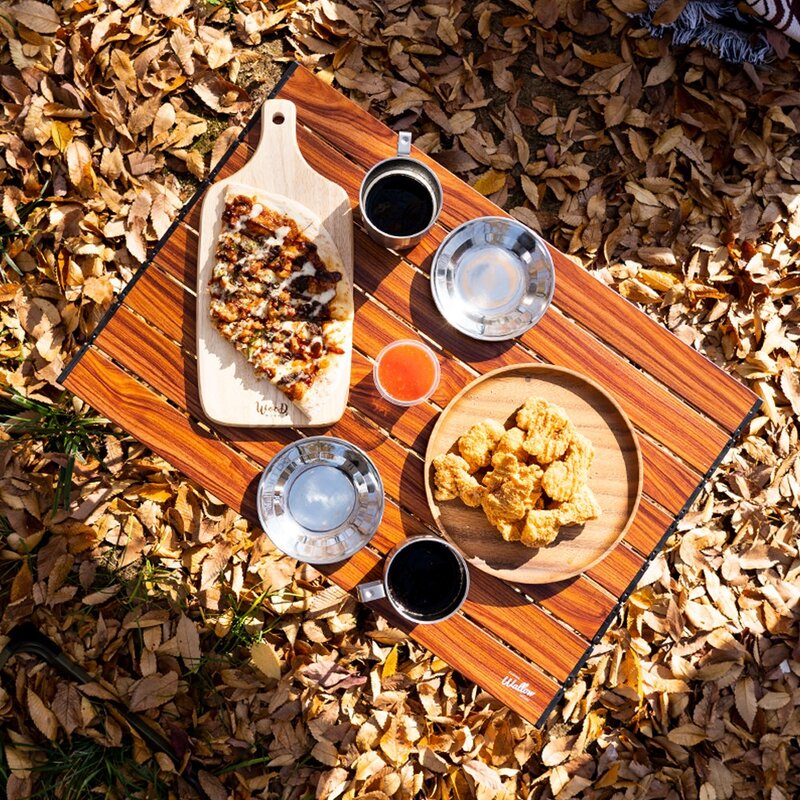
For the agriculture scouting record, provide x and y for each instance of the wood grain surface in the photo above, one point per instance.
(158, 361)
(230, 390)
(401, 469)
(615, 476)
(142, 372)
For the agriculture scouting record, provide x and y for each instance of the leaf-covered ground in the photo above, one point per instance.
(671, 176)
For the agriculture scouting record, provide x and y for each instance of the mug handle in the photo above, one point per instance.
(404, 143)
(371, 591)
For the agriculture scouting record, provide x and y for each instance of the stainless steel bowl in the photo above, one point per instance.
(320, 499)
(492, 278)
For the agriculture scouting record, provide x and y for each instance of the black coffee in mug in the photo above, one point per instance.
(427, 580)
(399, 204)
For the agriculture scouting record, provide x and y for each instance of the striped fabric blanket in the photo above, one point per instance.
(725, 27)
(782, 14)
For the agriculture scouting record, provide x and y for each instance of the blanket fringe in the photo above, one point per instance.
(716, 25)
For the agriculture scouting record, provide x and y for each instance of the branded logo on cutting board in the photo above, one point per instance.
(270, 408)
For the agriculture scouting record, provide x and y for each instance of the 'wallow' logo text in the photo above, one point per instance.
(516, 683)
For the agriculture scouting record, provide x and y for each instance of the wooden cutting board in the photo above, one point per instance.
(229, 390)
(615, 476)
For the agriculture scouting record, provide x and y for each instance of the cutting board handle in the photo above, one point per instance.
(278, 166)
(278, 132)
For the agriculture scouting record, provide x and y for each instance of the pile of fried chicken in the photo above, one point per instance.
(530, 480)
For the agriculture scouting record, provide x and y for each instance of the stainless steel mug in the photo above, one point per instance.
(425, 579)
(385, 181)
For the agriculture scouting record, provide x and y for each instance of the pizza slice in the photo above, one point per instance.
(280, 295)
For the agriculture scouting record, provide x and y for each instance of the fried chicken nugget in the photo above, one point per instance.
(526, 479)
(477, 444)
(541, 527)
(511, 442)
(580, 509)
(510, 531)
(549, 429)
(515, 489)
(530, 412)
(502, 506)
(452, 480)
(562, 479)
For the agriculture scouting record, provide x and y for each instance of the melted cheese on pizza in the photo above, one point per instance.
(271, 296)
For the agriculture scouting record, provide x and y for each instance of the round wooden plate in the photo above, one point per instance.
(615, 476)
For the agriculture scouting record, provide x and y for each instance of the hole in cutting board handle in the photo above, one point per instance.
(278, 118)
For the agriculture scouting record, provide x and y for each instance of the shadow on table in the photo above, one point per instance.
(544, 591)
(427, 317)
(365, 397)
(375, 265)
(372, 262)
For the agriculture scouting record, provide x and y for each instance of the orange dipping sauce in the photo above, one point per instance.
(406, 372)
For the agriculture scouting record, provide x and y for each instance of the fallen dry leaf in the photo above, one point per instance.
(37, 16)
(265, 660)
(188, 642)
(153, 691)
(490, 182)
(43, 718)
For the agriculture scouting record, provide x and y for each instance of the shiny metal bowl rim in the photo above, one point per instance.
(306, 440)
(544, 252)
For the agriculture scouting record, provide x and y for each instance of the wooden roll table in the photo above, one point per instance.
(523, 644)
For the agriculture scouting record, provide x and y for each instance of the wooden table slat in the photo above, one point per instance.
(667, 481)
(619, 567)
(367, 140)
(656, 523)
(576, 601)
(653, 524)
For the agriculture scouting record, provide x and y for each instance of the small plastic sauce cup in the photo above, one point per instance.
(406, 372)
